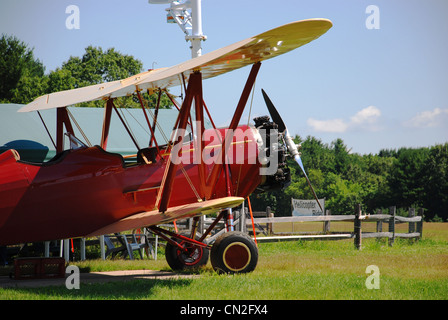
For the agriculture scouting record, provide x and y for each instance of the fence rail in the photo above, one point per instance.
(266, 218)
(415, 228)
(264, 222)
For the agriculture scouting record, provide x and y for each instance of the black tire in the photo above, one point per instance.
(179, 260)
(234, 252)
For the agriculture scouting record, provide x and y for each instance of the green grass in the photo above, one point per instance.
(286, 271)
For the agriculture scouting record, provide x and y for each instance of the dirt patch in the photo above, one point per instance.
(94, 277)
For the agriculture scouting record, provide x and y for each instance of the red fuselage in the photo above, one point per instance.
(84, 189)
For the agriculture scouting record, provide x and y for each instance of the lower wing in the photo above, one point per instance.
(150, 218)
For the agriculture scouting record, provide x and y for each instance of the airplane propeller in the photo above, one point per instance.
(292, 147)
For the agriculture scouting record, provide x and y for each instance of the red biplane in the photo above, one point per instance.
(87, 191)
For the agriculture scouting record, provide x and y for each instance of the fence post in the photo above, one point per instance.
(411, 224)
(270, 224)
(268, 214)
(357, 227)
(327, 223)
(83, 249)
(379, 224)
(392, 211)
(102, 248)
(420, 224)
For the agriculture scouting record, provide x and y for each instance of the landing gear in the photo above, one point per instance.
(234, 252)
(191, 257)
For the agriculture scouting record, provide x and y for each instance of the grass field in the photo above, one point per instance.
(312, 270)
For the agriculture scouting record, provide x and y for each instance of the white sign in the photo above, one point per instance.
(307, 207)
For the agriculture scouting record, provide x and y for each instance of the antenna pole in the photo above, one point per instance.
(197, 36)
(187, 21)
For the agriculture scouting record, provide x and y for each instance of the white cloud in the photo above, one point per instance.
(334, 125)
(430, 118)
(366, 115)
(366, 119)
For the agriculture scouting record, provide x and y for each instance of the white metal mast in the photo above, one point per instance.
(189, 22)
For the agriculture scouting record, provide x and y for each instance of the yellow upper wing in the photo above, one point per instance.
(246, 52)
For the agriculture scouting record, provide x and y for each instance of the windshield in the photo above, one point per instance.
(74, 142)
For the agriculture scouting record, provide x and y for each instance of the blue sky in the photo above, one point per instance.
(374, 88)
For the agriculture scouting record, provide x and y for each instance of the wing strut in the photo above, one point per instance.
(194, 90)
(213, 177)
(153, 137)
(125, 126)
(156, 113)
(62, 120)
(106, 124)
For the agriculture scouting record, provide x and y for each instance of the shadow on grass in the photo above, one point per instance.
(131, 288)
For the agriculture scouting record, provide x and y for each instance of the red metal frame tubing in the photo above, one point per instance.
(193, 84)
(106, 124)
(252, 219)
(149, 124)
(174, 102)
(62, 119)
(194, 227)
(208, 114)
(199, 111)
(213, 177)
(156, 113)
(163, 233)
(210, 228)
(125, 126)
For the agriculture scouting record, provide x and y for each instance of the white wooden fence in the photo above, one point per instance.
(415, 228)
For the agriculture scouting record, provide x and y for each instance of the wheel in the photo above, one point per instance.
(193, 258)
(234, 252)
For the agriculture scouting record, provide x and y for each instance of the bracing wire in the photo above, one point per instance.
(46, 128)
(79, 127)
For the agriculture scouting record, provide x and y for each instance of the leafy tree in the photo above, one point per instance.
(342, 195)
(59, 80)
(18, 70)
(341, 157)
(406, 181)
(299, 188)
(98, 66)
(28, 88)
(374, 180)
(436, 182)
(388, 153)
(259, 201)
(316, 154)
(22, 77)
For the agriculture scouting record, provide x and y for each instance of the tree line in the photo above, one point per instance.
(404, 177)
(23, 77)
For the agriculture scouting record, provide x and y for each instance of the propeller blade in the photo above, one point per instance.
(292, 148)
(275, 116)
(299, 162)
